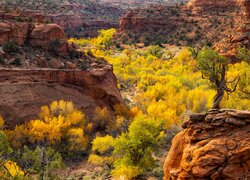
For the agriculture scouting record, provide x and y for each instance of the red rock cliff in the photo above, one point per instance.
(181, 25)
(215, 145)
(204, 5)
(37, 35)
(22, 92)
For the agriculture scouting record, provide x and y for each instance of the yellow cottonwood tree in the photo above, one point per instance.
(58, 123)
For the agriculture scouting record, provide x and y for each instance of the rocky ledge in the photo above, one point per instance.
(215, 145)
(24, 91)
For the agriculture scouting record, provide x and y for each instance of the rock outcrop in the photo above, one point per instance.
(47, 36)
(85, 80)
(139, 20)
(215, 145)
(23, 91)
(17, 31)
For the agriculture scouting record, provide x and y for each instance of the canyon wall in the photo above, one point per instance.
(197, 23)
(140, 20)
(76, 24)
(23, 91)
(225, 25)
(215, 145)
(27, 82)
(76, 18)
(211, 5)
(239, 35)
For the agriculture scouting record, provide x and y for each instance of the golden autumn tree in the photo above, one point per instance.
(58, 124)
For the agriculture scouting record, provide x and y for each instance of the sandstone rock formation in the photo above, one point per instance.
(215, 145)
(74, 76)
(23, 91)
(141, 20)
(17, 31)
(44, 35)
(37, 35)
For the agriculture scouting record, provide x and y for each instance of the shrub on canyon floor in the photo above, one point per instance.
(40, 162)
(17, 61)
(131, 153)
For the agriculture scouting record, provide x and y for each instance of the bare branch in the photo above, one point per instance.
(237, 77)
(234, 88)
(245, 91)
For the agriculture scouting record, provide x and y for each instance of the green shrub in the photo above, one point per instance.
(2, 60)
(20, 19)
(17, 61)
(129, 154)
(41, 161)
(53, 46)
(11, 47)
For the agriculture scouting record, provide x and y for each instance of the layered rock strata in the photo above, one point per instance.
(215, 145)
(22, 92)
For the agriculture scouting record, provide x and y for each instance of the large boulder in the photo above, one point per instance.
(215, 145)
(50, 37)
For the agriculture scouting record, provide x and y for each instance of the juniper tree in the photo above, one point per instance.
(214, 68)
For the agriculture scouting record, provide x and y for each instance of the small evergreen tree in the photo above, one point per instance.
(214, 68)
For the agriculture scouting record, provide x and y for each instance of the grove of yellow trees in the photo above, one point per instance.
(58, 124)
(163, 88)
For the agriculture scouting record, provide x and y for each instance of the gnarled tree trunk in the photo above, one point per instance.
(217, 99)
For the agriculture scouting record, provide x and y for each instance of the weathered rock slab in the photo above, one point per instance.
(215, 147)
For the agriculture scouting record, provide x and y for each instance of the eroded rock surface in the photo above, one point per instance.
(47, 36)
(215, 145)
(22, 92)
(13, 30)
(49, 68)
